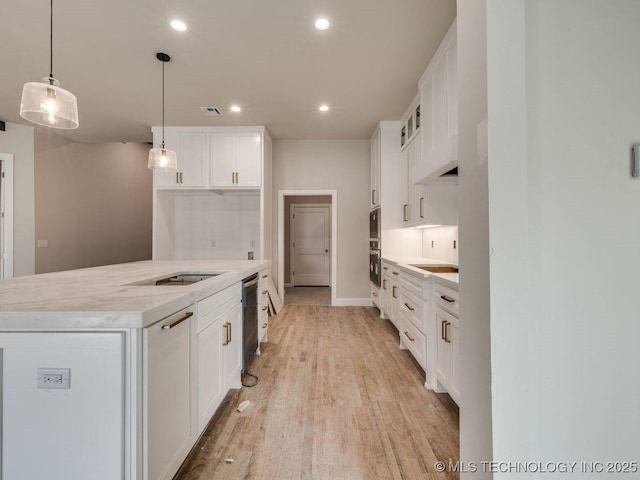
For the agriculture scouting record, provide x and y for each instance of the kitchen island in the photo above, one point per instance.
(106, 374)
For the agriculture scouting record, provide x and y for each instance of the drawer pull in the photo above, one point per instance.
(442, 329)
(264, 309)
(265, 292)
(409, 336)
(177, 322)
(409, 307)
(264, 325)
(385, 268)
(227, 334)
(395, 273)
(384, 283)
(393, 291)
(265, 275)
(374, 294)
(447, 298)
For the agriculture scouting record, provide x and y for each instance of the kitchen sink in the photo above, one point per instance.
(177, 279)
(438, 269)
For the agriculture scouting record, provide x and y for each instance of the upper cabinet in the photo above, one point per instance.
(193, 162)
(411, 122)
(213, 157)
(236, 159)
(375, 169)
(439, 111)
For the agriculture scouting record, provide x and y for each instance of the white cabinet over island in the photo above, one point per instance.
(113, 372)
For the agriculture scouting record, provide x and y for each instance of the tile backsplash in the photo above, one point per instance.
(438, 243)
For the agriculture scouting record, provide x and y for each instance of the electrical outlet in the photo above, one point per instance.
(432, 243)
(54, 378)
(250, 256)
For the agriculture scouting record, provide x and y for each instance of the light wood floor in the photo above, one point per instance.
(307, 296)
(337, 399)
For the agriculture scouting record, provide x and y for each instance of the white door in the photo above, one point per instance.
(310, 241)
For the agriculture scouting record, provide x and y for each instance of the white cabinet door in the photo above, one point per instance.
(193, 162)
(406, 213)
(443, 366)
(211, 389)
(222, 145)
(168, 178)
(232, 347)
(167, 397)
(248, 160)
(453, 335)
(375, 170)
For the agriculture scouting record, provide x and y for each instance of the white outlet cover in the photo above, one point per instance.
(55, 378)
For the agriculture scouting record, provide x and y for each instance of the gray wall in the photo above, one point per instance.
(18, 140)
(93, 203)
(344, 166)
(563, 109)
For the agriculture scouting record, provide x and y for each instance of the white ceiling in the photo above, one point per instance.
(264, 55)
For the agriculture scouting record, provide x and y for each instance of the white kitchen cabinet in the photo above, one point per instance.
(218, 350)
(193, 160)
(236, 159)
(375, 169)
(167, 397)
(448, 327)
(263, 306)
(439, 112)
(406, 199)
(435, 204)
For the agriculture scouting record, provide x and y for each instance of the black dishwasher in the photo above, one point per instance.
(249, 320)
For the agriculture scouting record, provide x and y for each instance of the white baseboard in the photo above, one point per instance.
(353, 302)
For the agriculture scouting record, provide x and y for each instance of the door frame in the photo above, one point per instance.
(7, 206)
(292, 250)
(334, 235)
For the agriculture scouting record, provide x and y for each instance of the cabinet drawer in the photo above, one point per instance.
(415, 341)
(412, 308)
(375, 295)
(447, 298)
(418, 285)
(218, 304)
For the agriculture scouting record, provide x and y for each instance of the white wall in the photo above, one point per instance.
(18, 140)
(563, 114)
(341, 165)
(473, 217)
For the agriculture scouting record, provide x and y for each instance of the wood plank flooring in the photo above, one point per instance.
(337, 399)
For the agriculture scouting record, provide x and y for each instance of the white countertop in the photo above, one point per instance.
(101, 297)
(406, 263)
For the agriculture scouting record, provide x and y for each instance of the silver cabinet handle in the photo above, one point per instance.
(446, 332)
(447, 298)
(393, 291)
(404, 213)
(237, 178)
(409, 336)
(177, 322)
(421, 207)
(442, 329)
(409, 307)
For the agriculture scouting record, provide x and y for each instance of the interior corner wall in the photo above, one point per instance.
(93, 203)
(344, 166)
(18, 141)
(563, 114)
(473, 215)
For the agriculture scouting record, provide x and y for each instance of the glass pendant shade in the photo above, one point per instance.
(162, 159)
(45, 103)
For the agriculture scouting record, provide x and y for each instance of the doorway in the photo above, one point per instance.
(306, 266)
(6, 215)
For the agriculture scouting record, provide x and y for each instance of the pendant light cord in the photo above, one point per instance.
(162, 103)
(51, 45)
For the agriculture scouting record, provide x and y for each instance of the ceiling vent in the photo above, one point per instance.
(211, 111)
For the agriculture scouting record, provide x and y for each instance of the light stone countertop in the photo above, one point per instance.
(406, 263)
(102, 297)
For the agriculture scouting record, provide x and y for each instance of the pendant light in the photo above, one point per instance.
(45, 103)
(161, 158)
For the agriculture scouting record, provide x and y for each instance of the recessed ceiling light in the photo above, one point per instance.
(235, 108)
(178, 25)
(323, 108)
(322, 24)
